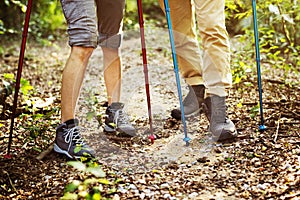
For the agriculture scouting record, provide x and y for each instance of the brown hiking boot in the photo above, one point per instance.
(192, 103)
(220, 126)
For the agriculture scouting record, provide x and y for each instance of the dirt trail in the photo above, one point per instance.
(256, 166)
(217, 170)
(163, 99)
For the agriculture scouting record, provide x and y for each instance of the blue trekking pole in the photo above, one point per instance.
(262, 127)
(175, 63)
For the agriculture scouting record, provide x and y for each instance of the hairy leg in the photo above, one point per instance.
(72, 79)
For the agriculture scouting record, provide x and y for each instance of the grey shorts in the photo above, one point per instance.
(93, 22)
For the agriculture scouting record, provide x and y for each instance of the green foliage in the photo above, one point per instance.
(37, 123)
(25, 86)
(46, 18)
(2, 29)
(92, 103)
(254, 111)
(92, 185)
(152, 14)
(10, 12)
(16, 3)
(278, 24)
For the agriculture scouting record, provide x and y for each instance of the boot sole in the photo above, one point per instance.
(225, 136)
(108, 129)
(57, 149)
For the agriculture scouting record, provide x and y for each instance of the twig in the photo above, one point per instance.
(295, 113)
(275, 81)
(272, 103)
(45, 152)
(291, 123)
(11, 183)
(277, 129)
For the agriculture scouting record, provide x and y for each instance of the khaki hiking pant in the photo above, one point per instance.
(214, 70)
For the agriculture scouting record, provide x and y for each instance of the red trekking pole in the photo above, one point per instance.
(19, 73)
(144, 54)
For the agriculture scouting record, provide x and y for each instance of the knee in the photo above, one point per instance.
(110, 52)
(110, 41)
(82, 52)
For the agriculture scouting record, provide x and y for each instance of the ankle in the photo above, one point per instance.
(199, 90)
(71, 121)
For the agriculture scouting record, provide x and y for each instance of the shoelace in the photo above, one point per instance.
(121, 118)
(73, 135)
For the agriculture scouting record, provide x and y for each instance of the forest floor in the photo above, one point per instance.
(255, 165)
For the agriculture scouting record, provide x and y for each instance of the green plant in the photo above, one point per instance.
(11, 25)
(152, 14)
(254, 111)
(2, 28)
(35, 112)
(46, 19)
(278, 22)
(25, 87)
(91, 102)
(17, 3)
(92, 185)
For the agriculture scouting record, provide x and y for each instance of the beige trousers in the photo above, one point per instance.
(214, 70)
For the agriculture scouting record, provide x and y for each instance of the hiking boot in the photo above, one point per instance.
(118, 120)
(69, 142)
(192, 103)
(220, 126)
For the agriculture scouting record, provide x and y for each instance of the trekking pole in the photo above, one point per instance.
(145, 64)
(175, 63)
(19, 73)
(262, 127)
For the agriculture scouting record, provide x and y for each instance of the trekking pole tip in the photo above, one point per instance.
(262, 128)
(187, 140)
(7, 156)
(152, 138)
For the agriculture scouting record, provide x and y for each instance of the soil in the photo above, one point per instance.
(255, 165)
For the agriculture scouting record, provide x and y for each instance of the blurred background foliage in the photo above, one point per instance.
(278, 21)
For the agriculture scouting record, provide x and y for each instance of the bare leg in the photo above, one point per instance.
(72, 79)
(112, 74)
